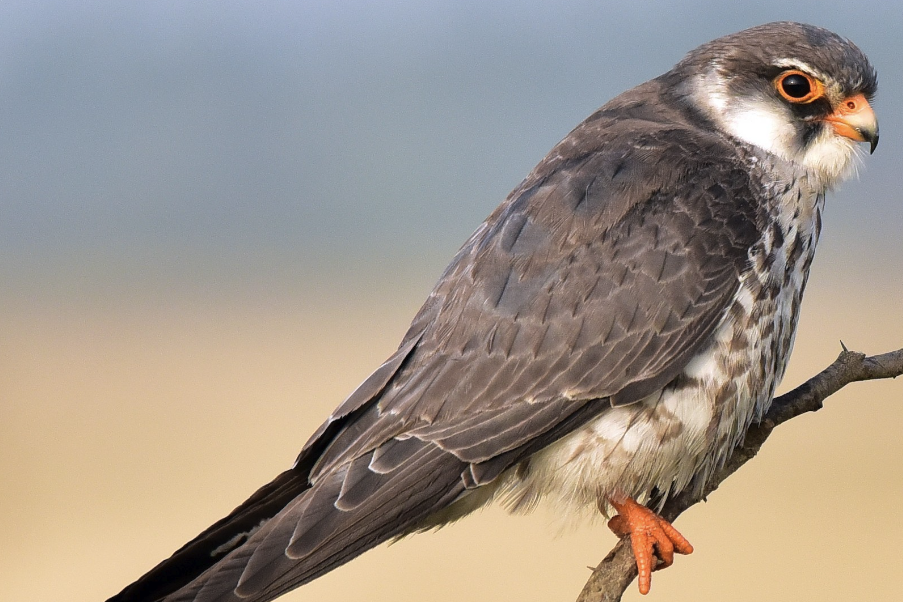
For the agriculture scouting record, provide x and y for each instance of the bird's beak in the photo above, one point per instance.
(855, 119)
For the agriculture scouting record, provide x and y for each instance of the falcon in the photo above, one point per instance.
(603, 339)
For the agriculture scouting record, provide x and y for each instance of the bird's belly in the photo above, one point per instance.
(658, 442)
(675, 438)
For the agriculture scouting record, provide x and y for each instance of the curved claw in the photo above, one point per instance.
(650, 535)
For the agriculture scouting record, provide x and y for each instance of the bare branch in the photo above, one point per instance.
(615, 573)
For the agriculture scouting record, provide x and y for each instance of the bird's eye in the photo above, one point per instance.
(798, 87)
(795, 86)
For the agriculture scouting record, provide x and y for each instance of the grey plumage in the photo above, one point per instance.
(597, 288)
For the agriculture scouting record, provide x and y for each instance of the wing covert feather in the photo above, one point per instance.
(586, 285)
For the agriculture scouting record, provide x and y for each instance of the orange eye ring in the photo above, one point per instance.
(798, 87)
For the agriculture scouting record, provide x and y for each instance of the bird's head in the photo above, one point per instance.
(798, 91)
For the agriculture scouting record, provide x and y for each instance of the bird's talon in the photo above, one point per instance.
(653, 539)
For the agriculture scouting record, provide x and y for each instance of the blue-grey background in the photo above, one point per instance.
(217, 217)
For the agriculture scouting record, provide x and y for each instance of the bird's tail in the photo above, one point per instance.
(291, 532)
(211, 546)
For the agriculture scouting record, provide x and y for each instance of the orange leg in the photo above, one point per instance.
(649, 534)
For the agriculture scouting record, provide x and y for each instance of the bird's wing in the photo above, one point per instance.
(599, 278)
(593, 284)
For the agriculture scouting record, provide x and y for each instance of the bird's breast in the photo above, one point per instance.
(676, 438)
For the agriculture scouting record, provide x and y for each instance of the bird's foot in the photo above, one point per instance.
(650, 535)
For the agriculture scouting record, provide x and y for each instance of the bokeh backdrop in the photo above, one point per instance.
(217, 217)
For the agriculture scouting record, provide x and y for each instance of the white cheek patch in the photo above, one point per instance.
(755, 121)
(761, 125)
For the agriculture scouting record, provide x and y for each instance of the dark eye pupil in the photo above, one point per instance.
(795, 86)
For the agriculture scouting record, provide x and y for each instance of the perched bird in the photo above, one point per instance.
(604, 339)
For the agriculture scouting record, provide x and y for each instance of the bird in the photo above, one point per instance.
(601, 342)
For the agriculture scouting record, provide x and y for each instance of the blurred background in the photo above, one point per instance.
(216, 218)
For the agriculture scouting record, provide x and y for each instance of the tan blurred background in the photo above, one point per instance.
(216, 220)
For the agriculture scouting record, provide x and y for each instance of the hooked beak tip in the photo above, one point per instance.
(873, 143)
